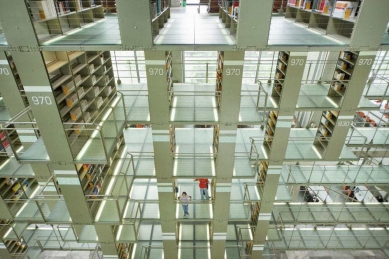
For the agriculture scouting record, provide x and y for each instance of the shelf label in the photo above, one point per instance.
(233, 72)
(154, 71)
(297, 62)
(41, 100)
(343, 123)
(365, 62)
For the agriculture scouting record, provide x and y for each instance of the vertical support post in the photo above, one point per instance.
(106, 240)
(36, 84)
(159, 115)
(288, 101)
(178, 65)
(229, 118)
(368, 31)
(350, 103)
(254, 23)
(135, 23)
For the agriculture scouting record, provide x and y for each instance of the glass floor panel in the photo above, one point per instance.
(339, 175)
(3, 41)
(286, 32)
(93, 151)
(136, 102)
(103, 32)
(36, 153)
(331, 239)
(375, 136)
(186, 26)
(13, 168)
(4, 114)
(349, 213)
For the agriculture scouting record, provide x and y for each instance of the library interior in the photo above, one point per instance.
(196, 129)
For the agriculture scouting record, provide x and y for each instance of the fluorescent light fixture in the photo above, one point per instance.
(212, 162)
(264, 152)
(317, 152)
(332, 102)
(240, 117)
(133, 251)
(208, 242)
(98, 215)
(175, 162)
(257, 193)
(119, 232)
(210, 211)
(54, 40)
(251, 234)
(177, 210)
(21, 209)
(74, 31)
(5, 163)
(273, 102)
(10, 229)
(179, 244)
(215, 115)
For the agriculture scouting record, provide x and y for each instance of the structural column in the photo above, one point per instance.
(254, 23)
(229, 117)
(350, 103)
(135, 23)
(371, 24)
(276, 155)
(156, 70)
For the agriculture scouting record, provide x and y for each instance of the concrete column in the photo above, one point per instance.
(371, 24)
(254, 23)
(135, 23)
(350, 103)
(229, 117)
(276, 155)
(178, 66)
(159, 116)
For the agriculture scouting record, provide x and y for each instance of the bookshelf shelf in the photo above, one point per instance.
(324, 16)
(52, 18)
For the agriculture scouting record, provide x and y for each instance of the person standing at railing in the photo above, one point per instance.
(184, 198)
(203, 188)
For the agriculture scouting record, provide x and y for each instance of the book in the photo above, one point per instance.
(345, 9)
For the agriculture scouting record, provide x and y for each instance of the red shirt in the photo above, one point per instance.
(203, 182)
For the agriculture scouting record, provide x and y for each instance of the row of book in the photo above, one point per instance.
(341, 9)
(45, 9)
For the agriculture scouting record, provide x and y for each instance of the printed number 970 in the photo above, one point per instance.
(156, 71)
(365, 62)
(297, 62)
(233, 72)
(41, 100)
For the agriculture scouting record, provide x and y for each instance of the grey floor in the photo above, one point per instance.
(186, 26)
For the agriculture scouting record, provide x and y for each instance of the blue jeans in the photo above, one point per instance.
(185, 208)
(204, 192)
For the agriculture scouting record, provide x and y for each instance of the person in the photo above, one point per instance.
(184, 198)
(203, 188)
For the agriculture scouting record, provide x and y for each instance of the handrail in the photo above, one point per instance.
(266, 98)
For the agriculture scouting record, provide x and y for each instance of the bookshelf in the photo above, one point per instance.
(280, 75)
(325, 130)
(219, 76)
(17, 78)
(169, 76)
(16, 246)
(343, 73)
(228, 13)
(56, 17)
(82, 84)
(335, 18)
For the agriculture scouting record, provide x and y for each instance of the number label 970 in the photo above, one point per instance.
(156, 71)
(41, 100)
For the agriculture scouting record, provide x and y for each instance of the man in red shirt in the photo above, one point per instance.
(203, 188)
